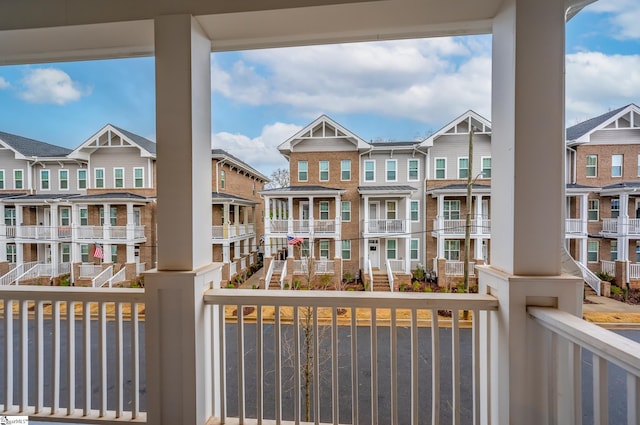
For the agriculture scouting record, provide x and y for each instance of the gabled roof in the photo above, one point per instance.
(225, 156)
(322, 128)
(461, 125)
(579, 133)
(126, 138)
(30, 148)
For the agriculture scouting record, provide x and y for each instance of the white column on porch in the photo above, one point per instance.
(55, 246)
(267, 227)
(180, 328)
(338, 230)
(440, 229)
(290, 252)
(623, 228)
(477, 251)
(131, 224)
(407, 238)
(20, 223)
(527, 137)
(311, 227)
(3, 231)
(584, 214)
(366, 216)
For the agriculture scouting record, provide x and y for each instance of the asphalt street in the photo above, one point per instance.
(616, 378)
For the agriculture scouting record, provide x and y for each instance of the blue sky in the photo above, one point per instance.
(397, 90)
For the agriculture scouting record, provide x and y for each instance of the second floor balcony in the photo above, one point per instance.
(304, 227)
(385, 227)
(457, 227)
(621, 226)
(233, 231)
(88, 234)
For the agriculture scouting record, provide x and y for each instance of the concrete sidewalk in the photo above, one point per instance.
(610, 313)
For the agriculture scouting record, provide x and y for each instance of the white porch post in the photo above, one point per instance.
(440, 228)
(131, 224)
(267, 227)
(479, 229)
(19, 223)
(181, 367)
(338, 230)
(623, 228)
(527, 137)
(290, 252)
(3, 231)
(407, 239)
(584, 214)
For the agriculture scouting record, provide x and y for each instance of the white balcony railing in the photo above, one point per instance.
(105, 379)
(103, 277)
(324, 266)
(633, 226)
(574, 226)
(634, 271)
(90, 270)
(457, 227)
(386, 226)
(140, 267)
(116, 233)
(116, 278)
(17, 271)
(291, 323)
(569, 338)
(456, 268)
(608, 267)
(397, 266)
(610, 225)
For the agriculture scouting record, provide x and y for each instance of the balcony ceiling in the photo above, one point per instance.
(33, 31)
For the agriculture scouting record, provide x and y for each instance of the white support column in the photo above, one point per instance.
(623, 228)
(407, 239)
(365, 202)
(478, 219)
(181, 358)
(20, 223)
(3, 235)
(311, 229)
(527, 90)
(440, 227)
(338, 231)
(290, 251)
(55, 246)
(584, 213)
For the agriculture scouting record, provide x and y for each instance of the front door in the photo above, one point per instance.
(374, 253)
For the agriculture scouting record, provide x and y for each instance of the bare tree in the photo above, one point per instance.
(279, 178)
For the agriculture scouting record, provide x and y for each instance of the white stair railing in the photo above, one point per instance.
(283, 275)
(13, 274)
(117, 278)
(370, 272)
(390, 275)
(589, 277)
(267, 276)
(102, 277)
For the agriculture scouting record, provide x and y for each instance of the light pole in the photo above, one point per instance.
(467, 229)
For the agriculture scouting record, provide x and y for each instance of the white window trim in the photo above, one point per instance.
(386, 170)
(597, 251)
(595, 175)
(409, 170)
(80, 209)
(597, 210)
(386, 210)
(307, 171)
(86, 178)
(115, 178)
(45, 170)
(417, 249)
(435, 168)
(320, 170)
(342, 161)
(3, 179)
(386, 251)
(459, 169)
(95, 178)
(411, 202)
(322, 242)
(621, 166)
(134, 177)
(60, 171)
(342, 250)
(450, 202)
(320, 211)
(15, 180)
(342, 203)
(370, 161)
(84, 247)
(482, 158)
(68, 216)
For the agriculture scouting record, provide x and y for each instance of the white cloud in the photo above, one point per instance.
(4, 84)
(623, 14)
(421, 79)
(597, 82)
(50, 85)
(259, 152)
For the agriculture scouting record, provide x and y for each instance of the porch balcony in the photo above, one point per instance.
(38, 233)
(457, 227)
(615, 226)
(113, 234)
(233, 231)
(304, 227)
(373, 228)
(371, 350)
(575, 226)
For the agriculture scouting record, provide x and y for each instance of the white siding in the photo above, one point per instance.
(325, 144)
(117, 157)
(453, 147)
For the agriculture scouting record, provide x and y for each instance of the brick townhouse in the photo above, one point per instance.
(603, 197)
(92, 210)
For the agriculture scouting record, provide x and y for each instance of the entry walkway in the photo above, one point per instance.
(254, 279)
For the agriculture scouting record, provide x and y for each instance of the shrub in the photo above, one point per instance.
(605, 276)
(347, 277)
(65, 280)
(418, 273)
